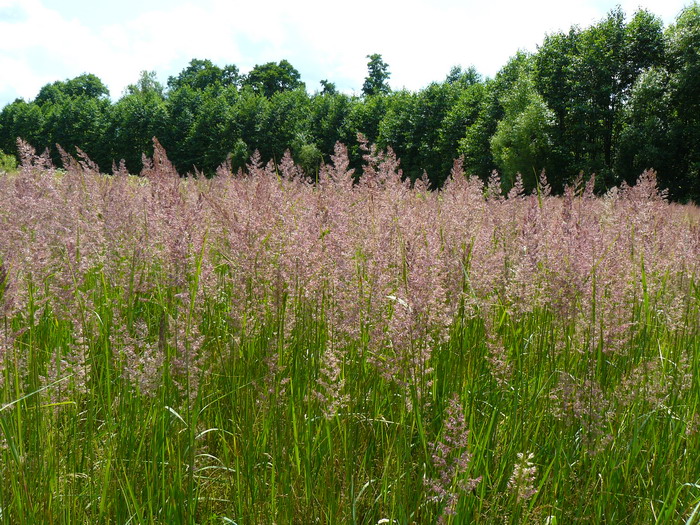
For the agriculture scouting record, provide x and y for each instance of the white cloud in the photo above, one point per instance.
(666, 10)
(40, 46)
(420, 40)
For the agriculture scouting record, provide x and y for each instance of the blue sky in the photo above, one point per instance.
(46, 40)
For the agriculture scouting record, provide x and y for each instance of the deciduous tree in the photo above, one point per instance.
(376, 82)
(270, 78)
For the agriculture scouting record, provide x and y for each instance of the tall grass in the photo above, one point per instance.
(257, 349)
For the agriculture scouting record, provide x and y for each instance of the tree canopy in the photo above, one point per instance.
(615, 98)
(268, 79)
(376, 82)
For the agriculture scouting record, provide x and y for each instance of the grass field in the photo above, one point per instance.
(259, 349)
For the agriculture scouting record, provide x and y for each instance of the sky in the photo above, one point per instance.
(42, 41)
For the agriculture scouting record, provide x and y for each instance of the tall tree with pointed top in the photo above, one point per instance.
(377, 76)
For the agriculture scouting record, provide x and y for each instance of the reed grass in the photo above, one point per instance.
(255, 348)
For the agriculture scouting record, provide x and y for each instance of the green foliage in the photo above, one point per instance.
(87, 85)
(661, 127)
(240, 154)
(522, 141)
(8, 163)
(413, 127)
(286, 117)
(646, 140)
(484, 111)
(309, 158)
(203, 74)
(364, 116)
(183, 107)
(21, 119)
(210, 137)
(376, 82)
(398, 125)
(329, 88)
(683, 39)
(683, 42)
(460, 121)
(585, 78)
(136, 119)
(614, 99)
(463, 77)
(80, 122)
(271, 78)
(71, 113)
(147, 83)
(248, 118)
(328, 114)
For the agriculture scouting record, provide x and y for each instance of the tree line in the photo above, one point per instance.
(613, 99)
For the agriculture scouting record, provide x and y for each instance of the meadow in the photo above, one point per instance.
(258, 348)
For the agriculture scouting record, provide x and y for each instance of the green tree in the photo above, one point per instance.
(554, 79)
(248, 119)
(648, 136)
(397, 128)
(87, 85)
(437, 149)
(76, 113)
(522, 141)
(183, 107)
(24, 120)
(461, 117)
(203, 74)
(611, 56)
(240, 154)
(327, 116)
(51, 93)
(585, 77)
(81, 122)
(475, 145)
(270, 78)
(376, 82)
(307, 155)
(412, 127)
(364, 116)
(661, 126)
(683, 43)
(285, 119)
(210, 139)
(329, 88)
(136, 119)
(147, 83)
(463, 77)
